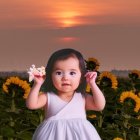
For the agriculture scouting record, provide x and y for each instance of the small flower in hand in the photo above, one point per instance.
(38, 72)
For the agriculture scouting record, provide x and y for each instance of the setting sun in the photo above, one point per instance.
(55, 14)
(67, 18)
(68, 22)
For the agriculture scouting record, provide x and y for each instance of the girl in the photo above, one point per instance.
(65, 101)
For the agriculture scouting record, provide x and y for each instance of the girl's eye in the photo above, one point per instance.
(72, 73)
(58, 73)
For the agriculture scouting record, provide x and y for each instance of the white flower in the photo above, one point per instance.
(35, 71)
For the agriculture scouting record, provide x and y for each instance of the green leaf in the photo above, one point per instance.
(7, 131)
(134, 122)
(24, 135)
(134, 137)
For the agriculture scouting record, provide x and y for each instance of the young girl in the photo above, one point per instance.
(65, 101)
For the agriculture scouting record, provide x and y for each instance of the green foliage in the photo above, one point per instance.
(116, 120)
(16, 121)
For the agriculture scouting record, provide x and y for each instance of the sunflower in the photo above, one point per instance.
(92, 64)
(130, 94)
(117, 138)
(134, 74)
(108, 79)
(139, 94)
(21, 83)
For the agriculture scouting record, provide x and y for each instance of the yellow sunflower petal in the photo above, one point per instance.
(17, 81)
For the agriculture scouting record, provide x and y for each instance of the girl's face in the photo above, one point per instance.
(66, 75)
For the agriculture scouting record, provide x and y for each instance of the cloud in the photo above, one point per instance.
(40, 14)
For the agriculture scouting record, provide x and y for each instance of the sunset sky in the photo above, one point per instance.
(31, 30)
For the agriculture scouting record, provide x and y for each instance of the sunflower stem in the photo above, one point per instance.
(124, 135)
(138, 131)
(100, 122)
(13, 108)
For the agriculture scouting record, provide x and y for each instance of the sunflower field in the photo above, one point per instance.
(120, 119)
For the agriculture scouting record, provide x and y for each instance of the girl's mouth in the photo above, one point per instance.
(65, 84)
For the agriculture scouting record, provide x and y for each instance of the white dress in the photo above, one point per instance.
(66, 120)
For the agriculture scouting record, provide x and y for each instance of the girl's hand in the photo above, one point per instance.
(39, 79)
(91, 77)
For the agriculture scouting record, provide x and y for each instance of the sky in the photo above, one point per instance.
(108, 30)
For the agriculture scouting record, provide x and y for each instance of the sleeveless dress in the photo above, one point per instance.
(65, 120)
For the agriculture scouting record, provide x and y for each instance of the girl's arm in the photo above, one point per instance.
(97, 101)
(34, 100)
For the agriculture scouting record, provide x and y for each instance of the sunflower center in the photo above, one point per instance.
(106, 82)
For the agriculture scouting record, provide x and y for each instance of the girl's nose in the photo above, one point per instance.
(65, 76)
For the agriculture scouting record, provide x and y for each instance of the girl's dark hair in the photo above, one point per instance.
(62, 55)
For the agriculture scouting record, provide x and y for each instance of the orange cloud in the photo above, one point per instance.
(34, 13)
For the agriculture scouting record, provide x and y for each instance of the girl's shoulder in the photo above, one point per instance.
(48, 94)
(80, 95)
(43, 95)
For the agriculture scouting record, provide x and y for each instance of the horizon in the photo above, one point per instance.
(24, 74)
(97, 70)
